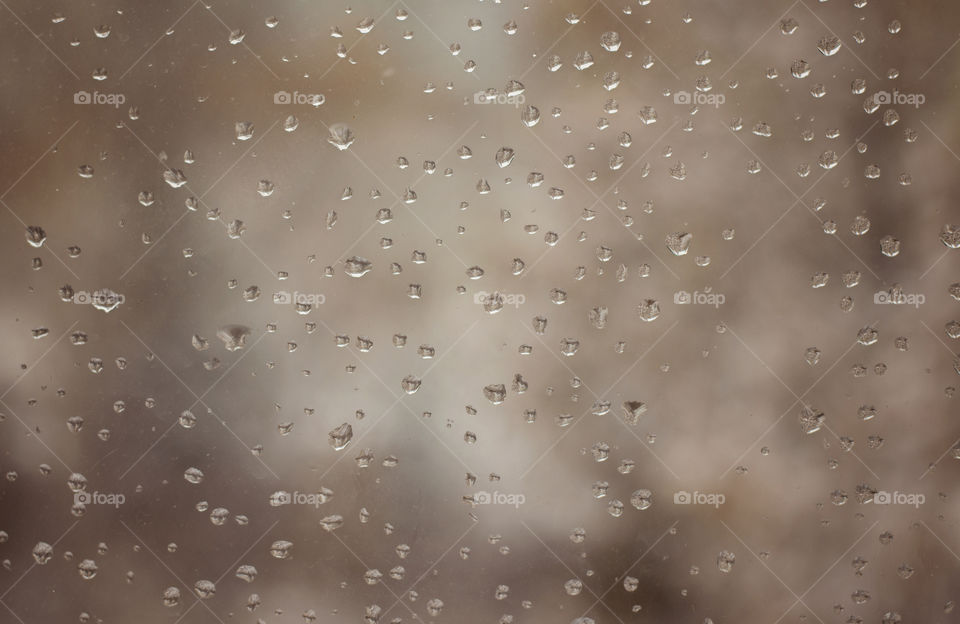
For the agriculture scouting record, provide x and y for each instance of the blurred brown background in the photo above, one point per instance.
(723, 386)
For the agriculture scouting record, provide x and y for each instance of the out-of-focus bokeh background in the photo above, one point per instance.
(435, 311)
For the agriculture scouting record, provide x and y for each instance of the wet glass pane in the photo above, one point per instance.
(599, 312)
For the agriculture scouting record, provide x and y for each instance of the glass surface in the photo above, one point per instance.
(578, 311)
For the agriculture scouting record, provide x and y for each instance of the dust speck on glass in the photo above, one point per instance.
(509, 311)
